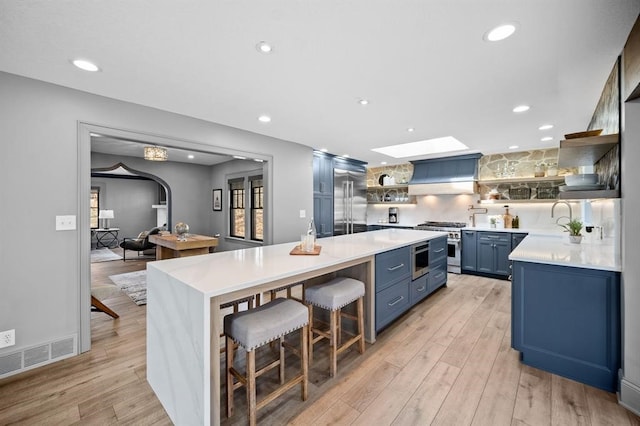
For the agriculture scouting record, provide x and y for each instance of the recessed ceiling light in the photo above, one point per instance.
(363, 102)
(264, 47)
(546, 139)
(514, 147)
(546, 127)
(383, 162)
(85, 65)
(521, 108)
(430, 146)
(324, 150)
(239, 157)
(500, 32)
(410, 129)
(191, 156)
(264, 119)
(345, 155)
(258, 160)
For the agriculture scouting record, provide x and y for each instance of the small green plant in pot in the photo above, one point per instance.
(573, 227)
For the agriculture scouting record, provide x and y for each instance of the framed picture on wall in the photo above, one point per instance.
(217, 200)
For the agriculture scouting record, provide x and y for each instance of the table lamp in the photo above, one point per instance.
(105, 215)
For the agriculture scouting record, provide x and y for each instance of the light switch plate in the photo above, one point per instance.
(65, 223)
(303, 213)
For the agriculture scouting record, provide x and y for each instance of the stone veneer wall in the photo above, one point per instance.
(401, 172)
(522, 165)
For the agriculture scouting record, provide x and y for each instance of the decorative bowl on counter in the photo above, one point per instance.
(581, 179)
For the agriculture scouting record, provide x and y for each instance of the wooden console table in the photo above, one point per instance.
(168, 246)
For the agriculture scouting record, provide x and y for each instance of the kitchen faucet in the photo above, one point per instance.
(474, 212)
(568, 206)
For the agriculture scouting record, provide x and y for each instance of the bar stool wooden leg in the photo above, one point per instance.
(251, 386)
(310, 334)
(304, 337)
(333, 355)
(230, 379)
(282, 357)
(360, 308)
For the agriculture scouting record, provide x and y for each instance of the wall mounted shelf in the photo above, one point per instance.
(585, 151)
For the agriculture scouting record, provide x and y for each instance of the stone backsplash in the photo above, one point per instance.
(401, 172)
(519, 164)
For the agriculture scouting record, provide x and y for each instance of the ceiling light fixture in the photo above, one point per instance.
(345, 155)
(546, 127)
(264, 47)
(258, 160)
(546, 139)
(264, 119)
(521, 108)
(191, 156)
(324, 150)
(425, 147)
(514, 147)
(383, 162)
(85, 65)
(155, 153)
(363, 102)
(239, 157)
(500, 32)
(410, 129)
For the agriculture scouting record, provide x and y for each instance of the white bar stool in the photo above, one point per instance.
(254, 328)
(333, 296)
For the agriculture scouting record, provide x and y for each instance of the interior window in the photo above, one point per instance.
(94, 205)
(236, 207)
(257, 197)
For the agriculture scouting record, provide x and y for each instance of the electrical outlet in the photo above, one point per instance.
(7, 338)
(303, 213)
(65, 223)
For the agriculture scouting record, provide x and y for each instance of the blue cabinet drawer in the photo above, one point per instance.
(392, 266)
(419, 289)
(503, 237)
(392, 302)
(437, 249)
(437, 277)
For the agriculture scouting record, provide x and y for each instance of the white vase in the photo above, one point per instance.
(575, 239)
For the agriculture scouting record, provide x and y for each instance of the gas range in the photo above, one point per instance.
(452, 228)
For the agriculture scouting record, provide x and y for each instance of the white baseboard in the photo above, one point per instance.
(630, 396)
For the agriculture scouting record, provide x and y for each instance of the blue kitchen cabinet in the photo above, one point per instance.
(492, 254)
(323, 194)
(393, 281)
(468, 261)
(566, 320)
(437, 263)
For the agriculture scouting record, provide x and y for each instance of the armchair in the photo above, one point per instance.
(139, 243)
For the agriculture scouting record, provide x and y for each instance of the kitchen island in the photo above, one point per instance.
(566, 308)
(184, 297)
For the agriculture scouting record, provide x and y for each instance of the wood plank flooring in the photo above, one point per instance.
(448, 361)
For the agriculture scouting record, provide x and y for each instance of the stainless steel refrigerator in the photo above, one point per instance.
(349, 201)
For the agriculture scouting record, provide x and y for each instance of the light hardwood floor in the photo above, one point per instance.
(446, 362)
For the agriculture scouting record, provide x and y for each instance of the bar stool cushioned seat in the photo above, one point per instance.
(254, 328)
(333, 296)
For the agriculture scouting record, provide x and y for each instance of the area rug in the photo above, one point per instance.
(134, 284)
(104, 255)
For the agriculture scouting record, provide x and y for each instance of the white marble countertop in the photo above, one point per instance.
(557, 250)
(224, 272)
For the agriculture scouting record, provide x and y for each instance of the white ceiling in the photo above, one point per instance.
(421, 63)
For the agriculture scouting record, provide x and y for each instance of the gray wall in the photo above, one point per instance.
(630, 175)
(40, 174)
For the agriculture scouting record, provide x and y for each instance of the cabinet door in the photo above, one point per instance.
(323, 215)
(392, 302)
(437, 250)
(485, 256)
(501, 251)
(468, 251)
(437, 276)
(392, 266)
(322, 174)
(419, 289)
(516, 239)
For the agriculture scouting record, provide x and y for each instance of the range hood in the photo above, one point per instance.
(448, 175)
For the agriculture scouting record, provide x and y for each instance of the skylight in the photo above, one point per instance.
(425, 147)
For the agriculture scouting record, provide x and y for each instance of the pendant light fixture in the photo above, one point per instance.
(155, 153)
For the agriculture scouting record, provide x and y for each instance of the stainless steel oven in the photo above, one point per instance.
(420, 258)
(453, 241)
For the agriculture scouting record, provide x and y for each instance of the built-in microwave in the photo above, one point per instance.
(420, 259)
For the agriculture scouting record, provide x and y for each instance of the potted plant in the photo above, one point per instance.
(492, 221)
(573, 227)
